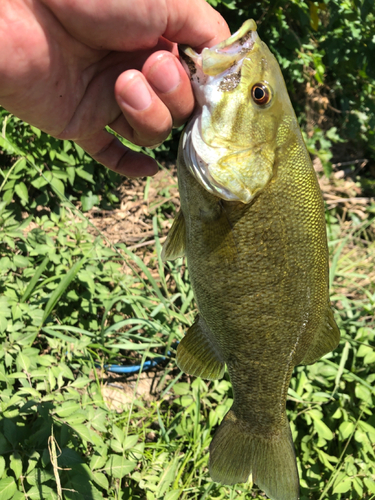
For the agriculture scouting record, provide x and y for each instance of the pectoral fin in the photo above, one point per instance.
(174, 245)
(198, 354)
(218, 236)
(324, 341)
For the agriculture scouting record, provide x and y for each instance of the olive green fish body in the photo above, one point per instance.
(259, 272)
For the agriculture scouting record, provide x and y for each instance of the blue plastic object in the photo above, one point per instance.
(137, 368)
(134, 368)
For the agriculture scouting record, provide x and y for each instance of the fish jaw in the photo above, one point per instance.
(214, 71)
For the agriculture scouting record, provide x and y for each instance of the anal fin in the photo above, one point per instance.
(325, 340)
(197, 353)
(174, 245)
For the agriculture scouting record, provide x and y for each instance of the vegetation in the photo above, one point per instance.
(73, 301)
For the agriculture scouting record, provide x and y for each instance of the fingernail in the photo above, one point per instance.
(136, 94)
(165, 76)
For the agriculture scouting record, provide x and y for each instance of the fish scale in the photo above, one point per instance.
(258, 266)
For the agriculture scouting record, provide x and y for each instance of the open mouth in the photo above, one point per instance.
(222, 57)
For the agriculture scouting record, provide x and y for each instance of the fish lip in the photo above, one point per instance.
(221, 57)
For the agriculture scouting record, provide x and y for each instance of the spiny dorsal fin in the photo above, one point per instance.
(198, 354)
(174, 245)
(325, 340)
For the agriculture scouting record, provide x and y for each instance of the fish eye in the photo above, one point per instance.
(261, 94)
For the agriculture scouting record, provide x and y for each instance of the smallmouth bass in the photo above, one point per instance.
(252, 228)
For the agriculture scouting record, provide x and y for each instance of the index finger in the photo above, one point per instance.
(195, 23)
(133, 25)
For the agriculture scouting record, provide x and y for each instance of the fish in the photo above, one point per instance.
(252, 229)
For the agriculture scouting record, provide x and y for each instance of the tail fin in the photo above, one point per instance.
(235, 453)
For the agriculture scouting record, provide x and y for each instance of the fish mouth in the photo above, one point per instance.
(215, 69)
(223, 56)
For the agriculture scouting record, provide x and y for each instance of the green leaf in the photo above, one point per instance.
(33, 460)
(16, 464)
(8, 196)
(38, 476)
(19, 166)
(116, 446)
(29, 336)
(343, 486)
(67, 408)
(85, 175)
(23, 362)
(326, 459)
(83, 489)
(2, 466)
(58, 186)
(51, 379)
(42, 492)
(118, 466)
(20, 261)
(100, 479)
(76, 418)
(71, 171)
(30, 391)
(358, 486)
(7, 488)
(19, 495)
(83, 431)
(11, 432)
(370, 484)
(323, 430)
(81, 382)
(63, 156)
(39, 182)
(118, 433)
(173, 495)
(130, 442)
(167, 477)
(3, 323)
(69, 458)
(346, 429)
(36, 131)
(137, 452)
(362, 393)
(21, 189)
(98, 461)
(88, 201)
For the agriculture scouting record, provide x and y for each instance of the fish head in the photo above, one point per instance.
(243, 115)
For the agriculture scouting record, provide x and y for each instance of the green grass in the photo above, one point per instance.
(71, 302)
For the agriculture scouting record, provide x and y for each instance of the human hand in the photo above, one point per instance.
(71, 68)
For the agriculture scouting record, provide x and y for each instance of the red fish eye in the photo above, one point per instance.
(261, 94)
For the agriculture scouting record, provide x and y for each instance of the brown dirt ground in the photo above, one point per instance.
(140, 199)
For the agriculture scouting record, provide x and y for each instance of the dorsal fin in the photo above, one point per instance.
(174, 245)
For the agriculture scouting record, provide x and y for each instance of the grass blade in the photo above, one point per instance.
(62, 286)
(34, 279)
